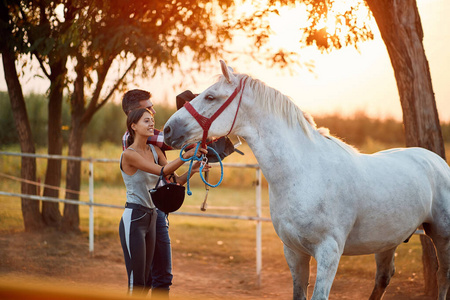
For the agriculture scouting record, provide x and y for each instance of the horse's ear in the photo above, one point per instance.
(227, 71)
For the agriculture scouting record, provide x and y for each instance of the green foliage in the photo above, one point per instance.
(108, 124)
(37, 110)
(37, 114)
(80, 45)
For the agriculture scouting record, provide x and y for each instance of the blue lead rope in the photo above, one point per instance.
(201, 158)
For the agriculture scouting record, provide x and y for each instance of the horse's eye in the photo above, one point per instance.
(209, 97)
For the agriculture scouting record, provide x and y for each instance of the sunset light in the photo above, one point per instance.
(225, 149)
(345, 81)
(336, 15)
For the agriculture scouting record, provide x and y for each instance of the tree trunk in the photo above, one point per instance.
(50, 210)
(80, 118)
(71, 220)
(401, 29)
(30, 208)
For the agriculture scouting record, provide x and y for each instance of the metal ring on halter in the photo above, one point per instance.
(194, 157)
(221, 170)
(204, 161)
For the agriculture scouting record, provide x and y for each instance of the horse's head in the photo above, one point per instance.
(211, 113)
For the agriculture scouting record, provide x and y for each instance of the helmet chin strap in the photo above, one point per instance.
(205, 123)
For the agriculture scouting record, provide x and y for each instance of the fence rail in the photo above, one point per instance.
(258, 218)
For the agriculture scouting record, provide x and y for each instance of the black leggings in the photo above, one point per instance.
(137, 232)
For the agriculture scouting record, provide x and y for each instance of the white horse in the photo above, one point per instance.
(326, 198)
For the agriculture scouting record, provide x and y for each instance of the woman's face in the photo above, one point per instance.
(145, 125)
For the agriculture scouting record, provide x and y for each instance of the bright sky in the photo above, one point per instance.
(344, 81)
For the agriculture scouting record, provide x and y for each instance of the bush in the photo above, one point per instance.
(107, 125)
(360, 128)
(37, 114)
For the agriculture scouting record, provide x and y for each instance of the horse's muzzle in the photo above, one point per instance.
(168, 135)
(174, 134)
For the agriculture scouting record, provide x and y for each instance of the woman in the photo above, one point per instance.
(141, 165)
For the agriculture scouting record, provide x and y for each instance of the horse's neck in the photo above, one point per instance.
(277, 146)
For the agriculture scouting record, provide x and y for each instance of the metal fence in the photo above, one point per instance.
(257, 217)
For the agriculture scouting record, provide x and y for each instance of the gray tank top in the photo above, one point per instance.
(140, 183)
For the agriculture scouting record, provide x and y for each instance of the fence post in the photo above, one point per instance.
(258, 227)
(91, 207)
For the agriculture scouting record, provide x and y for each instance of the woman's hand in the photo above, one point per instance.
(191, 152)
(196, 167)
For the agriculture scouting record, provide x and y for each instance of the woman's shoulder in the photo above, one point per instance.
(129, 152)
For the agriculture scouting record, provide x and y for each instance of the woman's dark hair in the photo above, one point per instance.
(133, 117)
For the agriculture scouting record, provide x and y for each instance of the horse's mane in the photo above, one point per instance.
(281, 105)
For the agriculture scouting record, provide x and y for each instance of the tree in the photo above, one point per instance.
(161, 31)
(99, 38)
(30, 208)
(34, 28)
(412, 73)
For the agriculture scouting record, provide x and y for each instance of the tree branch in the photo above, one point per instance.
(120, 81)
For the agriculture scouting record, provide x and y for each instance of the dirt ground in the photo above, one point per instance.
(48, 260)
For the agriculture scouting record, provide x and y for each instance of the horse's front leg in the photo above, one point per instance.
(327, 256)
(299, 265)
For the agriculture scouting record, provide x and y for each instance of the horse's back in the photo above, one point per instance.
(423, 162)
(417, 160)
(400, 189)
(429, 173)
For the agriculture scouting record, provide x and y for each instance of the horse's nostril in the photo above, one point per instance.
(167, 131)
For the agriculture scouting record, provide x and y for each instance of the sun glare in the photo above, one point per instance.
(336, 16)
(324, 87)
(287, 23)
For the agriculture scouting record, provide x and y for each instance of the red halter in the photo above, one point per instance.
(205, 123)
